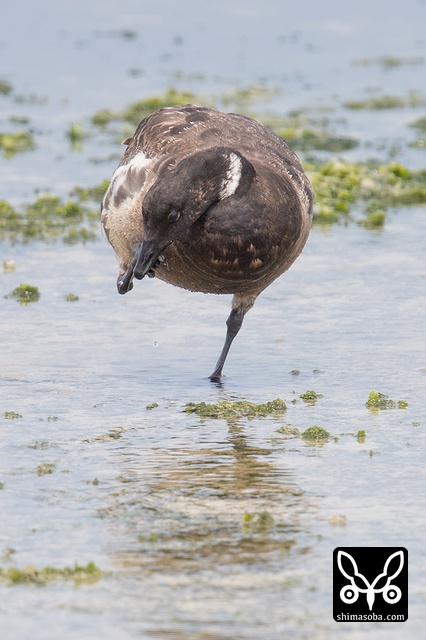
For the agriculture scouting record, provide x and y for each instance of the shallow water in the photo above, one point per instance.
(165, 516)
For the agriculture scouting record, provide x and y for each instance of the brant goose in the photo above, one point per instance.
(208, 201)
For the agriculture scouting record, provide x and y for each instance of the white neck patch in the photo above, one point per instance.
(121, 174)
(232, 178)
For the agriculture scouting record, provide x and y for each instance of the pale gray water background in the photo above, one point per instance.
(166, 518)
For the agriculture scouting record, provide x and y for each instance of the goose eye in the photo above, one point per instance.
(173, 216)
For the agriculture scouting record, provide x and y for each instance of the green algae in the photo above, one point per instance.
(229, 409)
(151, 406)
(30, 98)
(240, 98)
(419, 143)
(76, 136)
(38, 445)
(151, 537)
(288, 430)
(420, 124)
(306, 132)
(80, 574)
(22, 120)
(378, 103)
(360, 436)
(342, 186)
(45, 468)
(307, 139)
(95, 193)
(25, 294)
(114, 434)
(8, 217)
(390, 61)
(103, 117)
(5, 87)
(12, 415)
(53, 213)
(261, 522)
(48, 218)
(374, 220)
(377, 400)
(71, 297)
(310, 396)
(138, 110)
(94, 482)
(315, 435)
(243, 97)
(12, 143)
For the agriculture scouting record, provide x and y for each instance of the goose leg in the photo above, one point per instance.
(233, 325)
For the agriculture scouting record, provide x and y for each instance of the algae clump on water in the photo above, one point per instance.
(310, 396)
(25, 293)
(30, 575)
(13, 143)
(340, 185)
(235, 409)
(50, 218)
(377, 400)
(315, 435)
(12, 415)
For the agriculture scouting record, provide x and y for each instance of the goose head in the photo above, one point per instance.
(179, 197)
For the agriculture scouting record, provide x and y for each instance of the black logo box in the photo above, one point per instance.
(370, 584)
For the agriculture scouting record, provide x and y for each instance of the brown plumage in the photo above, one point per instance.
(210, 202)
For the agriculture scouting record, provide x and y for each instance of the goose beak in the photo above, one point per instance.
(125, 280)
(147, 258)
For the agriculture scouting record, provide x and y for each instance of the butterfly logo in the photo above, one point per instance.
(359, 583)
